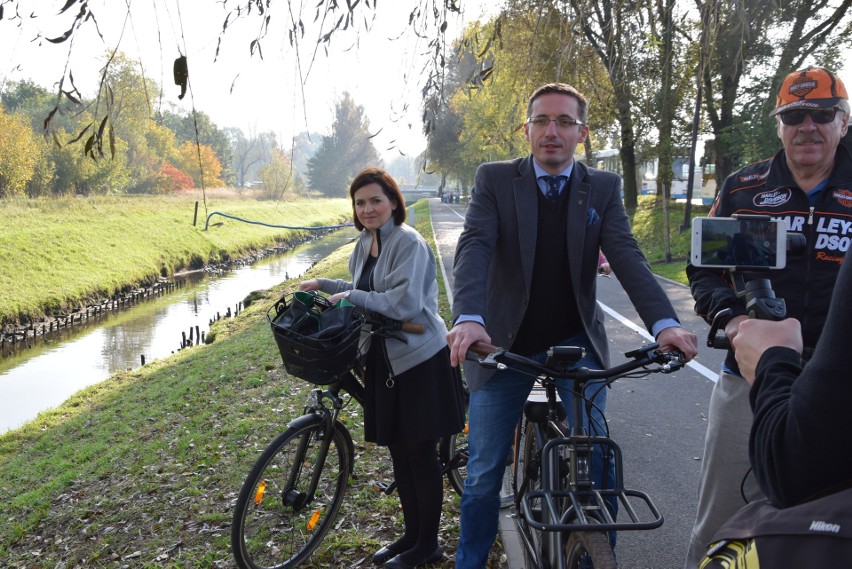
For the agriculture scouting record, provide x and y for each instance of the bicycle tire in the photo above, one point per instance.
(526, 479)
(454, 450)
(271, 528)
(589, 550)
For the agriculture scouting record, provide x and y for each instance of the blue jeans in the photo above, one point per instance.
(494, 411)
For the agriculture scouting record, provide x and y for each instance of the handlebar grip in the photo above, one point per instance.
(482, 349)
(412, 328)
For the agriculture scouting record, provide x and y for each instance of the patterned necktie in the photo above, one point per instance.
(553, 184)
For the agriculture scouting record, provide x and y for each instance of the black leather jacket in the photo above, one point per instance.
(808, 279)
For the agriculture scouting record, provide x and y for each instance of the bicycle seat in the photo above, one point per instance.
(536, 411)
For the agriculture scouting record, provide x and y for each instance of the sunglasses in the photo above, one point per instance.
(821, 116)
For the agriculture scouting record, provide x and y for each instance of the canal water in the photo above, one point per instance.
(44, 376)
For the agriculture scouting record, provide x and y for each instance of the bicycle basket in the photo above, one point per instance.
(318, 340)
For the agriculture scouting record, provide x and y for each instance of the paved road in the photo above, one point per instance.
(658, 422)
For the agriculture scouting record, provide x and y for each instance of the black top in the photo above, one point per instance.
(551, 314)
(365, 282)
(801, 431)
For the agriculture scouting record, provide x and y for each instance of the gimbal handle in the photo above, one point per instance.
(761, 303)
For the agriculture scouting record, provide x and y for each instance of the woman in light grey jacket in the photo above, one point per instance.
(414, 397)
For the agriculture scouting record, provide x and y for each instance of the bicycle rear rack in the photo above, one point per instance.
(586, 509)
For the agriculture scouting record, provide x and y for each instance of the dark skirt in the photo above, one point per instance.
(424, 403)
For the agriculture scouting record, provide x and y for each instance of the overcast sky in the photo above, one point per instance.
(381, 68)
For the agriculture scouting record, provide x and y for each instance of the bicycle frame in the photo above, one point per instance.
(566, 500)
(316, 411)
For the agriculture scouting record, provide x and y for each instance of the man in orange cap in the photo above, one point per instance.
(808, 184)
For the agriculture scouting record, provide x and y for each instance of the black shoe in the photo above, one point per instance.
(397, 563)
(383, 555)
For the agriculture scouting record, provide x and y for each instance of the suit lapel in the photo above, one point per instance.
(578, 207)
(526, 208)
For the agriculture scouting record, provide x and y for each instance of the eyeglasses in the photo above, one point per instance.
(562, 121)
(819, 116)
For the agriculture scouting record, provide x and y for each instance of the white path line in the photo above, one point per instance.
(454, 211)
(703, 370)
(447, 286)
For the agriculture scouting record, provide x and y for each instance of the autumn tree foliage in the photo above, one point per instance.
(200, 162)
(20, 152)
(173, 180)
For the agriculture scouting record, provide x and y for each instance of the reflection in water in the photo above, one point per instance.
(45, 376)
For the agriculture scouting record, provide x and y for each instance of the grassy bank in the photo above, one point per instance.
(143, 469)
(648, 227)
(56, 254)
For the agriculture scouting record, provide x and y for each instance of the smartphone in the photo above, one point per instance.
(755, 242)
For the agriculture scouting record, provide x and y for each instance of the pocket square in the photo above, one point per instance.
(593, 217)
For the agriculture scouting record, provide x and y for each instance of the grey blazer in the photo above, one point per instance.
(494, 257)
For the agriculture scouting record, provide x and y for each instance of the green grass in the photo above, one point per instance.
(57, 254)
(648, 228)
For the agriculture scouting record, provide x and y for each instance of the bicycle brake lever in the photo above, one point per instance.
(674, 361)
(491, 360)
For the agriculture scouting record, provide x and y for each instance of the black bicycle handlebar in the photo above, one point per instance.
(561, 358)
(384, 325)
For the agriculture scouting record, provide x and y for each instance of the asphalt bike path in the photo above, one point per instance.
(658, 422)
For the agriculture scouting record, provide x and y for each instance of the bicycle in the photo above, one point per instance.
(563, 520)
(293, 493)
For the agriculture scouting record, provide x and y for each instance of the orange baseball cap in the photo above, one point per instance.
(811, 88)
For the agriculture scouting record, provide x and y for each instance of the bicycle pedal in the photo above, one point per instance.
(380, 486)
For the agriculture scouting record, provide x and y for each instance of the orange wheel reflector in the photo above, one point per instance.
(258, 494)
(466, 428)
(312, 523)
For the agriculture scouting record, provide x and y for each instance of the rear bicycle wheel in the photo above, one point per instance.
(276, 523)
(589, 550)
(454, 453)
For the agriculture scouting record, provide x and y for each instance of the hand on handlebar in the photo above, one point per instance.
(462, 336)
(677, 338)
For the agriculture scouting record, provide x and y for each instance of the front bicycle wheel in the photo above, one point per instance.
(527, 478)
(277, 523)
(589, 550)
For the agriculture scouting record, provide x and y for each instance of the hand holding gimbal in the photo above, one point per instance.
(761, 303)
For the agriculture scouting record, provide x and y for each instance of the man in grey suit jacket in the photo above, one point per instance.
(525, 269)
